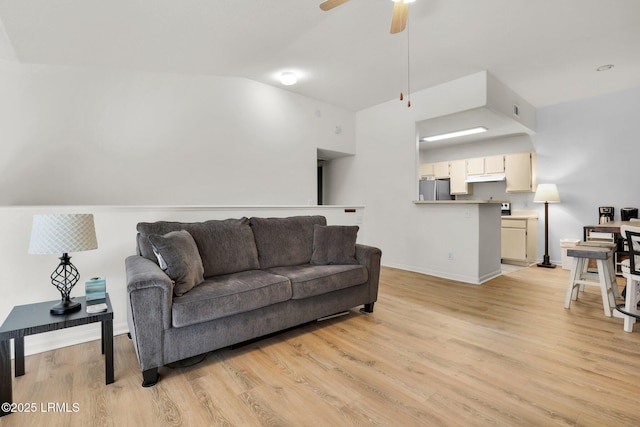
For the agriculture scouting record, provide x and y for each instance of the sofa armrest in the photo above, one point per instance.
(149, 301)
(369, 257)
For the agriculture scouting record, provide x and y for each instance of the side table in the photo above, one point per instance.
(31, 319)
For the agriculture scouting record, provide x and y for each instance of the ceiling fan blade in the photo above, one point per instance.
(399, 18)
(330, 4)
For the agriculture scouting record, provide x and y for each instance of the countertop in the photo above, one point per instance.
(521, 214)
(458, 202)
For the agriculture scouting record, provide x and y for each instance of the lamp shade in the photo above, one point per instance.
(546, 193)
(62, 233)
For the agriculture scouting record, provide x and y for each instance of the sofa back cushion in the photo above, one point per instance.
(225, 246)
(283, 242)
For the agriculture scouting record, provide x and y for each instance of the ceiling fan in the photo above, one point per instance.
(398, 19)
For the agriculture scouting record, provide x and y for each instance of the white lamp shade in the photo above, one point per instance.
(546, 193)
(62, 233)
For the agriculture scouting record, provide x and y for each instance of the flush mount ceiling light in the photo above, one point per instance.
(604, 67)
(288, 78)
(456, 134)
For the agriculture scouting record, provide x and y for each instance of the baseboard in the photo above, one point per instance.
(446, 275)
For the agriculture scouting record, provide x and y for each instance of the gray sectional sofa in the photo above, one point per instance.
(196, 287)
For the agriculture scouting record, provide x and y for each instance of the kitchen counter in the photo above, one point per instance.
(457, 239)
(458, 202)
(521, 214)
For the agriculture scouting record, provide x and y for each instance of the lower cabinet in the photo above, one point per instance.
(519, 238)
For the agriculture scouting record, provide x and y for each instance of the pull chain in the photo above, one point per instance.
(408, 69)
(408, 66)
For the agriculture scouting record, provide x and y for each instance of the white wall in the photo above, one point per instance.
(77, 139)
(75, 135)
(588, 148)
(591, 150)
(383, 176)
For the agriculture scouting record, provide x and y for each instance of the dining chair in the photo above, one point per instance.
(631, 271)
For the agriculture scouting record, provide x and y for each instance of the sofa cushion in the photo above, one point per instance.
(225, 246)
(285, 241)
(334, 244)
(310, 280)
(229, 294)
(178, 256)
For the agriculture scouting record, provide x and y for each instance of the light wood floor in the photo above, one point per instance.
(435, 352)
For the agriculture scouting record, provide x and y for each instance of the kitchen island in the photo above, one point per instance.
(460, 239)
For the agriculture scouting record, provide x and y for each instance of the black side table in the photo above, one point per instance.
(31, 319)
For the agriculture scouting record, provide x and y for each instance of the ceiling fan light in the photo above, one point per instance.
(288, 78)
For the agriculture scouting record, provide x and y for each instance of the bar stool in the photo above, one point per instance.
(580, 276)
(611, 261)
(631, 272)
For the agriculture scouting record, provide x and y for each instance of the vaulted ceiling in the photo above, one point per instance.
(545, 50)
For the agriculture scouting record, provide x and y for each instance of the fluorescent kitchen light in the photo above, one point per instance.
(456, 134)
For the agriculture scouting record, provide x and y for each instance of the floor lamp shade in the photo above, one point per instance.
(546, 193)
(61, 234)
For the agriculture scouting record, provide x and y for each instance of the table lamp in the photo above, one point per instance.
(546, 193)
(63, 233)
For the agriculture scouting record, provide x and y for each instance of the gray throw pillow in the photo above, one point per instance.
(334, 244)
(178, 256)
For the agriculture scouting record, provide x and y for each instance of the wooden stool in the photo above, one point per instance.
(611, 260)
(580, 276)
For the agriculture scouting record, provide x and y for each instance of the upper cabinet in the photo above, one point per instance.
(439, 170)
(494, 164)
(426, 170)
(475, 166)
(458, 183)
(485, 165)
(520, 169)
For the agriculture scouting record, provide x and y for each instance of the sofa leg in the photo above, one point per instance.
(368, 308)
(150, 377)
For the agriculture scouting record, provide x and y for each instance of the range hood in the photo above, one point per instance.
(488, 177)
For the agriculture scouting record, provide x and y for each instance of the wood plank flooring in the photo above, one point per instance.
(434, 353)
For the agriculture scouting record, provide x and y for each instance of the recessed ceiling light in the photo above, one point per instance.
(456, 134)
(604, 67)
(288, 78)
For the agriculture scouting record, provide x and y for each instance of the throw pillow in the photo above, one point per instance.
(178, 256)
(334, 244)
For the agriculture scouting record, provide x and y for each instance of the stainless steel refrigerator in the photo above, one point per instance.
(435, 189)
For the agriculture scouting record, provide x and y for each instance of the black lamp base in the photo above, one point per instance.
(542, 264)
(65, 307)
(545, 263)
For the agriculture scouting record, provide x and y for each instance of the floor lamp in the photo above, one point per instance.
(546, 193)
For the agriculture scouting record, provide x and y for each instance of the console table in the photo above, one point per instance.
(31, 319)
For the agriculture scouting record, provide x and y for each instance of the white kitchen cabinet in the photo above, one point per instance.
(494, 164)
(458, 175)
(426, 170)
(485, 165)
(519, 239)
(441, 170)
(519, 170)
(475, 166)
